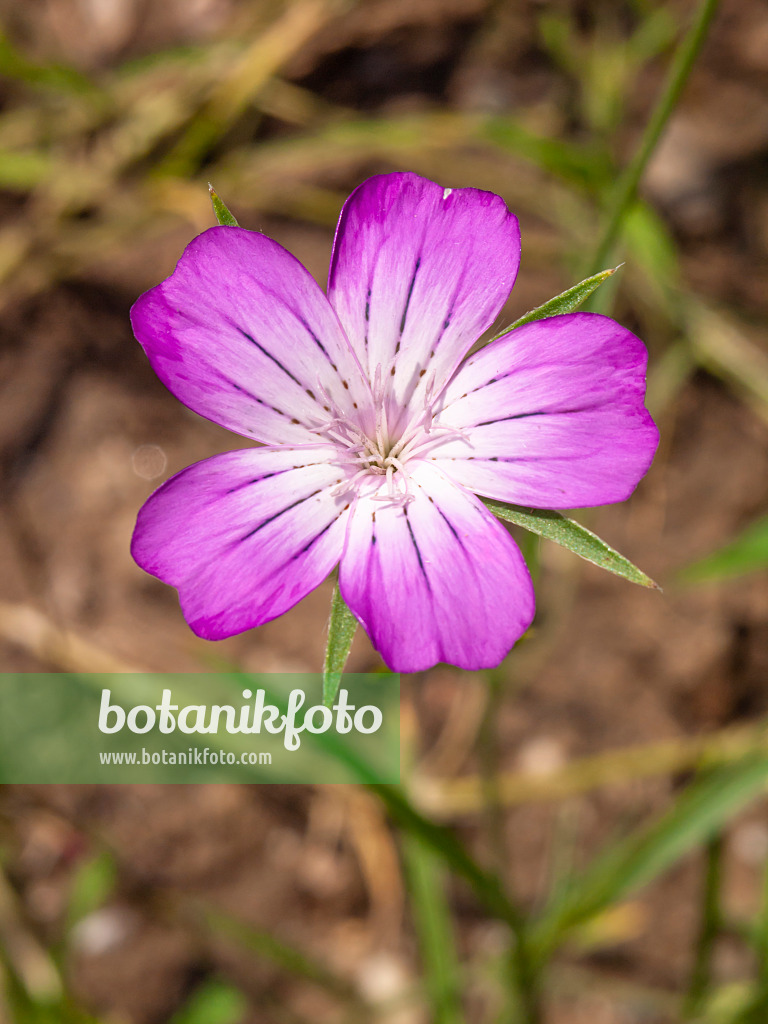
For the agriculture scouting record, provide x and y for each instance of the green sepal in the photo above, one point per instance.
(565, 302)
(341, 631)
(572, 535)
(223, 216)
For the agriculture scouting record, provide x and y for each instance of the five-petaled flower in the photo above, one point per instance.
(376, 436)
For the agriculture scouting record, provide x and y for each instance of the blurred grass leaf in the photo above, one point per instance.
(434, 930)
(727, 348)
(747, 553)
(91, 886)
(585, 165)
(651, 250)
(213, 1003)
(264, 944)
(703, 809)
(573, 536)
(57, 78)
(341, 632)
(655, 34)
(22, 170)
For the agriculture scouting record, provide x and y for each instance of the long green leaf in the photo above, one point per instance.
(570, 534)
(698, 814)
(341, 632)
(223, 215)
(214, 1001)
(748, 553)
(565, 302)
(264, 944)
(56, 77)
(626, 185)
(91, 886)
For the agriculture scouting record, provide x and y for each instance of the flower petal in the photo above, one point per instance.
(244, 535)
(242, 334)
(437, 580)
(552, 414)
(418, 273)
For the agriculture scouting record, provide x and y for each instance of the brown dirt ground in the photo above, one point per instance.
(87, 432)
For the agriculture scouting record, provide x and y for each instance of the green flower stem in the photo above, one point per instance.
(761, 938)
(434, 928)
(488, 756)
(523, 994)
(486, 886)
(709, 927)
(626, 186)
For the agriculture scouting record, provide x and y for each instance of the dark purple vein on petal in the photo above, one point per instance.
(266, 352)
(277, 515)
(248, 394)
(367, 315)
(417, 550)
(317, 341)
(317, 536)
(408, 298)
(257, 480)
(449, 524)
(542, 412)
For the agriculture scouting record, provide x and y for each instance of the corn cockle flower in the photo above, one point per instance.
(376, 437)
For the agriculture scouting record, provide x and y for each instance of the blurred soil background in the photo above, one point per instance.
(269, 904)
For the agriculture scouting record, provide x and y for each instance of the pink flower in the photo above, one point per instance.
(377, 437)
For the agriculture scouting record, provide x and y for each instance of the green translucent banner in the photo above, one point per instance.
(197, 727)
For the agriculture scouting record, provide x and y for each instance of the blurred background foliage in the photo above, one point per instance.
(581, 836)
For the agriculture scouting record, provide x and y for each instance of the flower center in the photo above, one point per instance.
(380, 453)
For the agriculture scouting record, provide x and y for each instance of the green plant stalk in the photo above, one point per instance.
(488, 756)
(522, 1001)
(626, 187)
(434, 929)
(761, 939)
(709, 927)
(756, 1010)
(485, 885)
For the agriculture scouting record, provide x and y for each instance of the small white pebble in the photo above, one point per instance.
(541, 757)
(750, 842)
(383, 976)
(102, 930)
